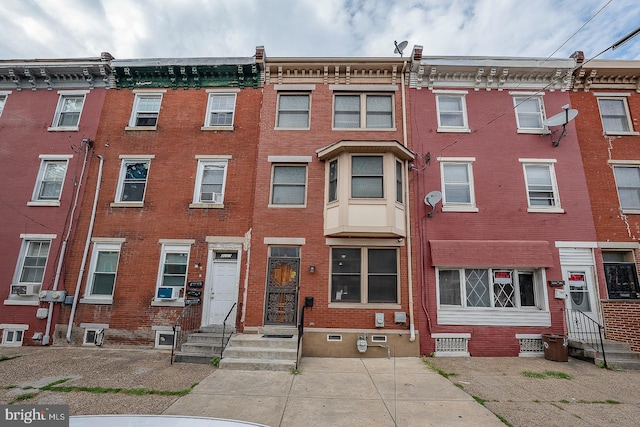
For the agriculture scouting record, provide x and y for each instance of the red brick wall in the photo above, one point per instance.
(622, 322)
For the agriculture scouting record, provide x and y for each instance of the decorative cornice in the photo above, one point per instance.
(35, 74)
(608, 74)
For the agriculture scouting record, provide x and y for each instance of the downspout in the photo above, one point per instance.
(412, 327)
(86, 251)
(247, 247)
(47, 337)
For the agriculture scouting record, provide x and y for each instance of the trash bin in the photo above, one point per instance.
(556, 347)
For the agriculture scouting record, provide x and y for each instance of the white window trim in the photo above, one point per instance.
(306, 186)
(56, 117)
(286, 92)
(130, 159)
(459, 207)
(5, 94)
(100, 246)
(11, 327)
(164, 331)
(44, 159)
(171, 246)
(530, 95)
(456, 93)
(202, 163)
(138, 94)
(207, 118)
(96, 327)
(363, 91)
(623, 163)
(28, 300)
(554, 182)
(618, 96)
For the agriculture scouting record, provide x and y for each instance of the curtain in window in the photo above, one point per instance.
(70, 112)
(293, 111)
(540, 185)
(347, 111)
(366, 179)
(628, 182)
(614, 115)
(135, 181)
(379, 111)
(450, 109)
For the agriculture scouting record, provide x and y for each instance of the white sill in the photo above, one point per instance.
(141, 128)
(390, 306)
(535, 131)
(620, 133)
(43, 203)
(11, 344)
(127, 205)
(286, 206)
(300, 128)
(545, 210)
(453, 130)
(63, 129)
(631, 211)
(214, 128)
(94, 300)
(167, 303)
(23, 301)
(393, 129)
(460, 209)
(206, 205)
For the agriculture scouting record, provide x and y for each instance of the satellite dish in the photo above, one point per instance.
(432, 200)
(400, 46)
(561, 119)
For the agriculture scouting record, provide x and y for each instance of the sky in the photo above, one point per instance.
(127, 29)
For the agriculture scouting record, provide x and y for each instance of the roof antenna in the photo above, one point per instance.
(561, 119)
(400, 47)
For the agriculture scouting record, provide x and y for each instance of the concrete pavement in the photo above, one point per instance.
(337, 392)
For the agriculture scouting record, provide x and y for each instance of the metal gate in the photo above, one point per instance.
(282, 291)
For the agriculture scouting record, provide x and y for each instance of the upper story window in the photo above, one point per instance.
(67, 115)
(210, 181)
(621, 274)
(458, 193)
(50, 181)
(542, 189)
(146, 109)
(333, 181)
(452, 111)
(132, 182)
(628, 185)
(367, 177)
(102, 272)
(363, 111)
(529, 113)
(399, 180)
(289, 183)
(3, 100)
(293, 110)
(614, 112)
(220, 110)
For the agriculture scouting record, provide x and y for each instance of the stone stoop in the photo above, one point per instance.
(259, 352)
(618, 354)
(204, 345)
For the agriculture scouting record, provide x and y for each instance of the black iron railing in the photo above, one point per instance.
(223, 345)
(583, 328)
(300, 333)
(187, 323)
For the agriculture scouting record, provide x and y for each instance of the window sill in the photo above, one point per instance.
(127, 205)
(300, 128)
(535, 131)
(206, 205)
(453, 130)
(43, 203)
(143, 128)
(614, 133)
(358, 305)
(167, 303)
(11, 344)
(546, 210)
(63, 129)
(460, 209)
(365, 129)
(31, 301)
(286, 206)
(94, 300)
(631, 211)
(216, 128)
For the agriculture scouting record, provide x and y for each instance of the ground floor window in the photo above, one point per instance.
(12, 337)
(621, 273)
(501, 288)
(364, 275)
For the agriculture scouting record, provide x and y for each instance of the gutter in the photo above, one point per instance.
(86, 251)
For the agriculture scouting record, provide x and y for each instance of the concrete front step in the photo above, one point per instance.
(207, 337)
(194, 358)
(245, 364)
(260, 353)
(258, 340)
(201, 348)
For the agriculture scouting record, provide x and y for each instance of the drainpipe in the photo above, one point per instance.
(412, 327)
(86, 251)
(247, 247)
(47, 337)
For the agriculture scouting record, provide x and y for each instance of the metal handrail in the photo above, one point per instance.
(587, 330)
(179, 334)
(224, 329)
(300, 333)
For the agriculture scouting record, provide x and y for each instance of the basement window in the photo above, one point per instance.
(334, 338)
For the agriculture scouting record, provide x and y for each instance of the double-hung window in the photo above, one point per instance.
(146, 109)
(210, 181)
(627, 178)
(367, 177)
(333, 180)
(363, 111)
(364, 275)
(172, 272)
(67, 115)
(614, 113)
(457, 184)
(50, 180)
(220, 110)
(289, 184)
(102, 271)
(542, 189)
(293, 110)
(529, 113)
(452, 111)
(132, 182)
(621, 274)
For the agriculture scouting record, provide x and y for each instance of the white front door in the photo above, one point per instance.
(579, 291)
(222, 291)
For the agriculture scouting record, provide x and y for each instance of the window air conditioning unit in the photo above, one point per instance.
(25, 290)
(211, 197)
(168, 292)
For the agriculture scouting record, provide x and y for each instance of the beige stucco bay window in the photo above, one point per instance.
(365, 181)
